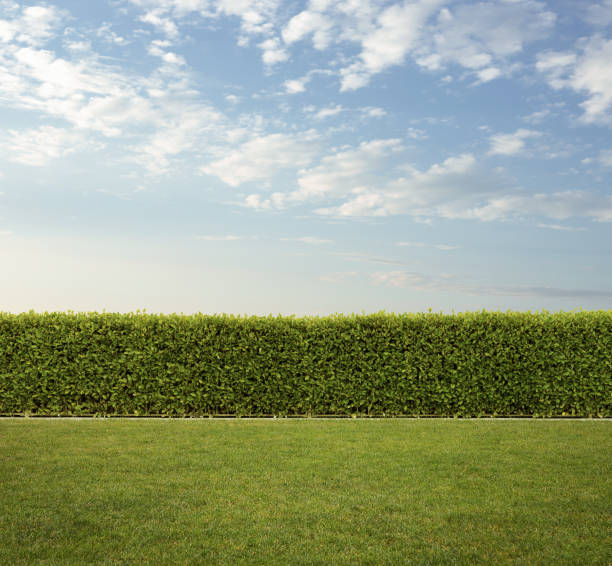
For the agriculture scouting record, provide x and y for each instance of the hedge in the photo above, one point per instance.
(467, 364)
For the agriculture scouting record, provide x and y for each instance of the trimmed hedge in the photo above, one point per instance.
(469, 364)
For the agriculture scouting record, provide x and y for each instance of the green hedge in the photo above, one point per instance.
(469, 364)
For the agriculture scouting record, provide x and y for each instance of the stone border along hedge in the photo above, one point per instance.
(427, 364)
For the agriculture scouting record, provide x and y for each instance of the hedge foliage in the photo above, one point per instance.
(468, 364)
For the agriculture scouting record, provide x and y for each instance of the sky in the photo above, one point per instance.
(261, 157)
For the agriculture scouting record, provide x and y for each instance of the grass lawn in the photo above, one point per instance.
(115, 491)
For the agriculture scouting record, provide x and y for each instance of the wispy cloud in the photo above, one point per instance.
(298, 85)
(561, 228)
(338, 276)
(538, 116)
(311, 240)
(560, 205)
(605, 157)
(416, 134)
(444, 247)
(599, 14)
(367, 258)
(426, 283)
(219, 238)
(308, 240)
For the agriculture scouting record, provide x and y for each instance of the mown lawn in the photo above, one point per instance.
(284, 491)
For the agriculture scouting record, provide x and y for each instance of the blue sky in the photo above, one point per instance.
(268, 156)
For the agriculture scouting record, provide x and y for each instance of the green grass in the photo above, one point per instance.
(305, 492)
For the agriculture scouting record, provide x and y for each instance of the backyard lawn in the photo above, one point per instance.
(305, 491)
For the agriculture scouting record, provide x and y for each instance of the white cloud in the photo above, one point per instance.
(344, 171)
(257, 19)
(416, 134)
(34, 26)
(276, 201)
(555, 65)
(488, 74)
(586, 71)
(385, 33)
(329, 22)
(374, 112)
(605, 157)
(366, 204)
(537, 117)
(273, 52)
(37, 147)
(328, 112)
(164, 24)
(107, 34)
(511, 144)
(183, 126)
(458, 189)
(262, 157)
(109, 115)
(599, 14)
(420, 193)
(256, 16)
(483, 36)
(398, 29)
(78, 46)
(167, 57)
(178, 7)
(59, 78)
(35, 79)
(7, 31)
(157, 116)
(295, 86)
(560, 205)
(447, 189)
(309, 22)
